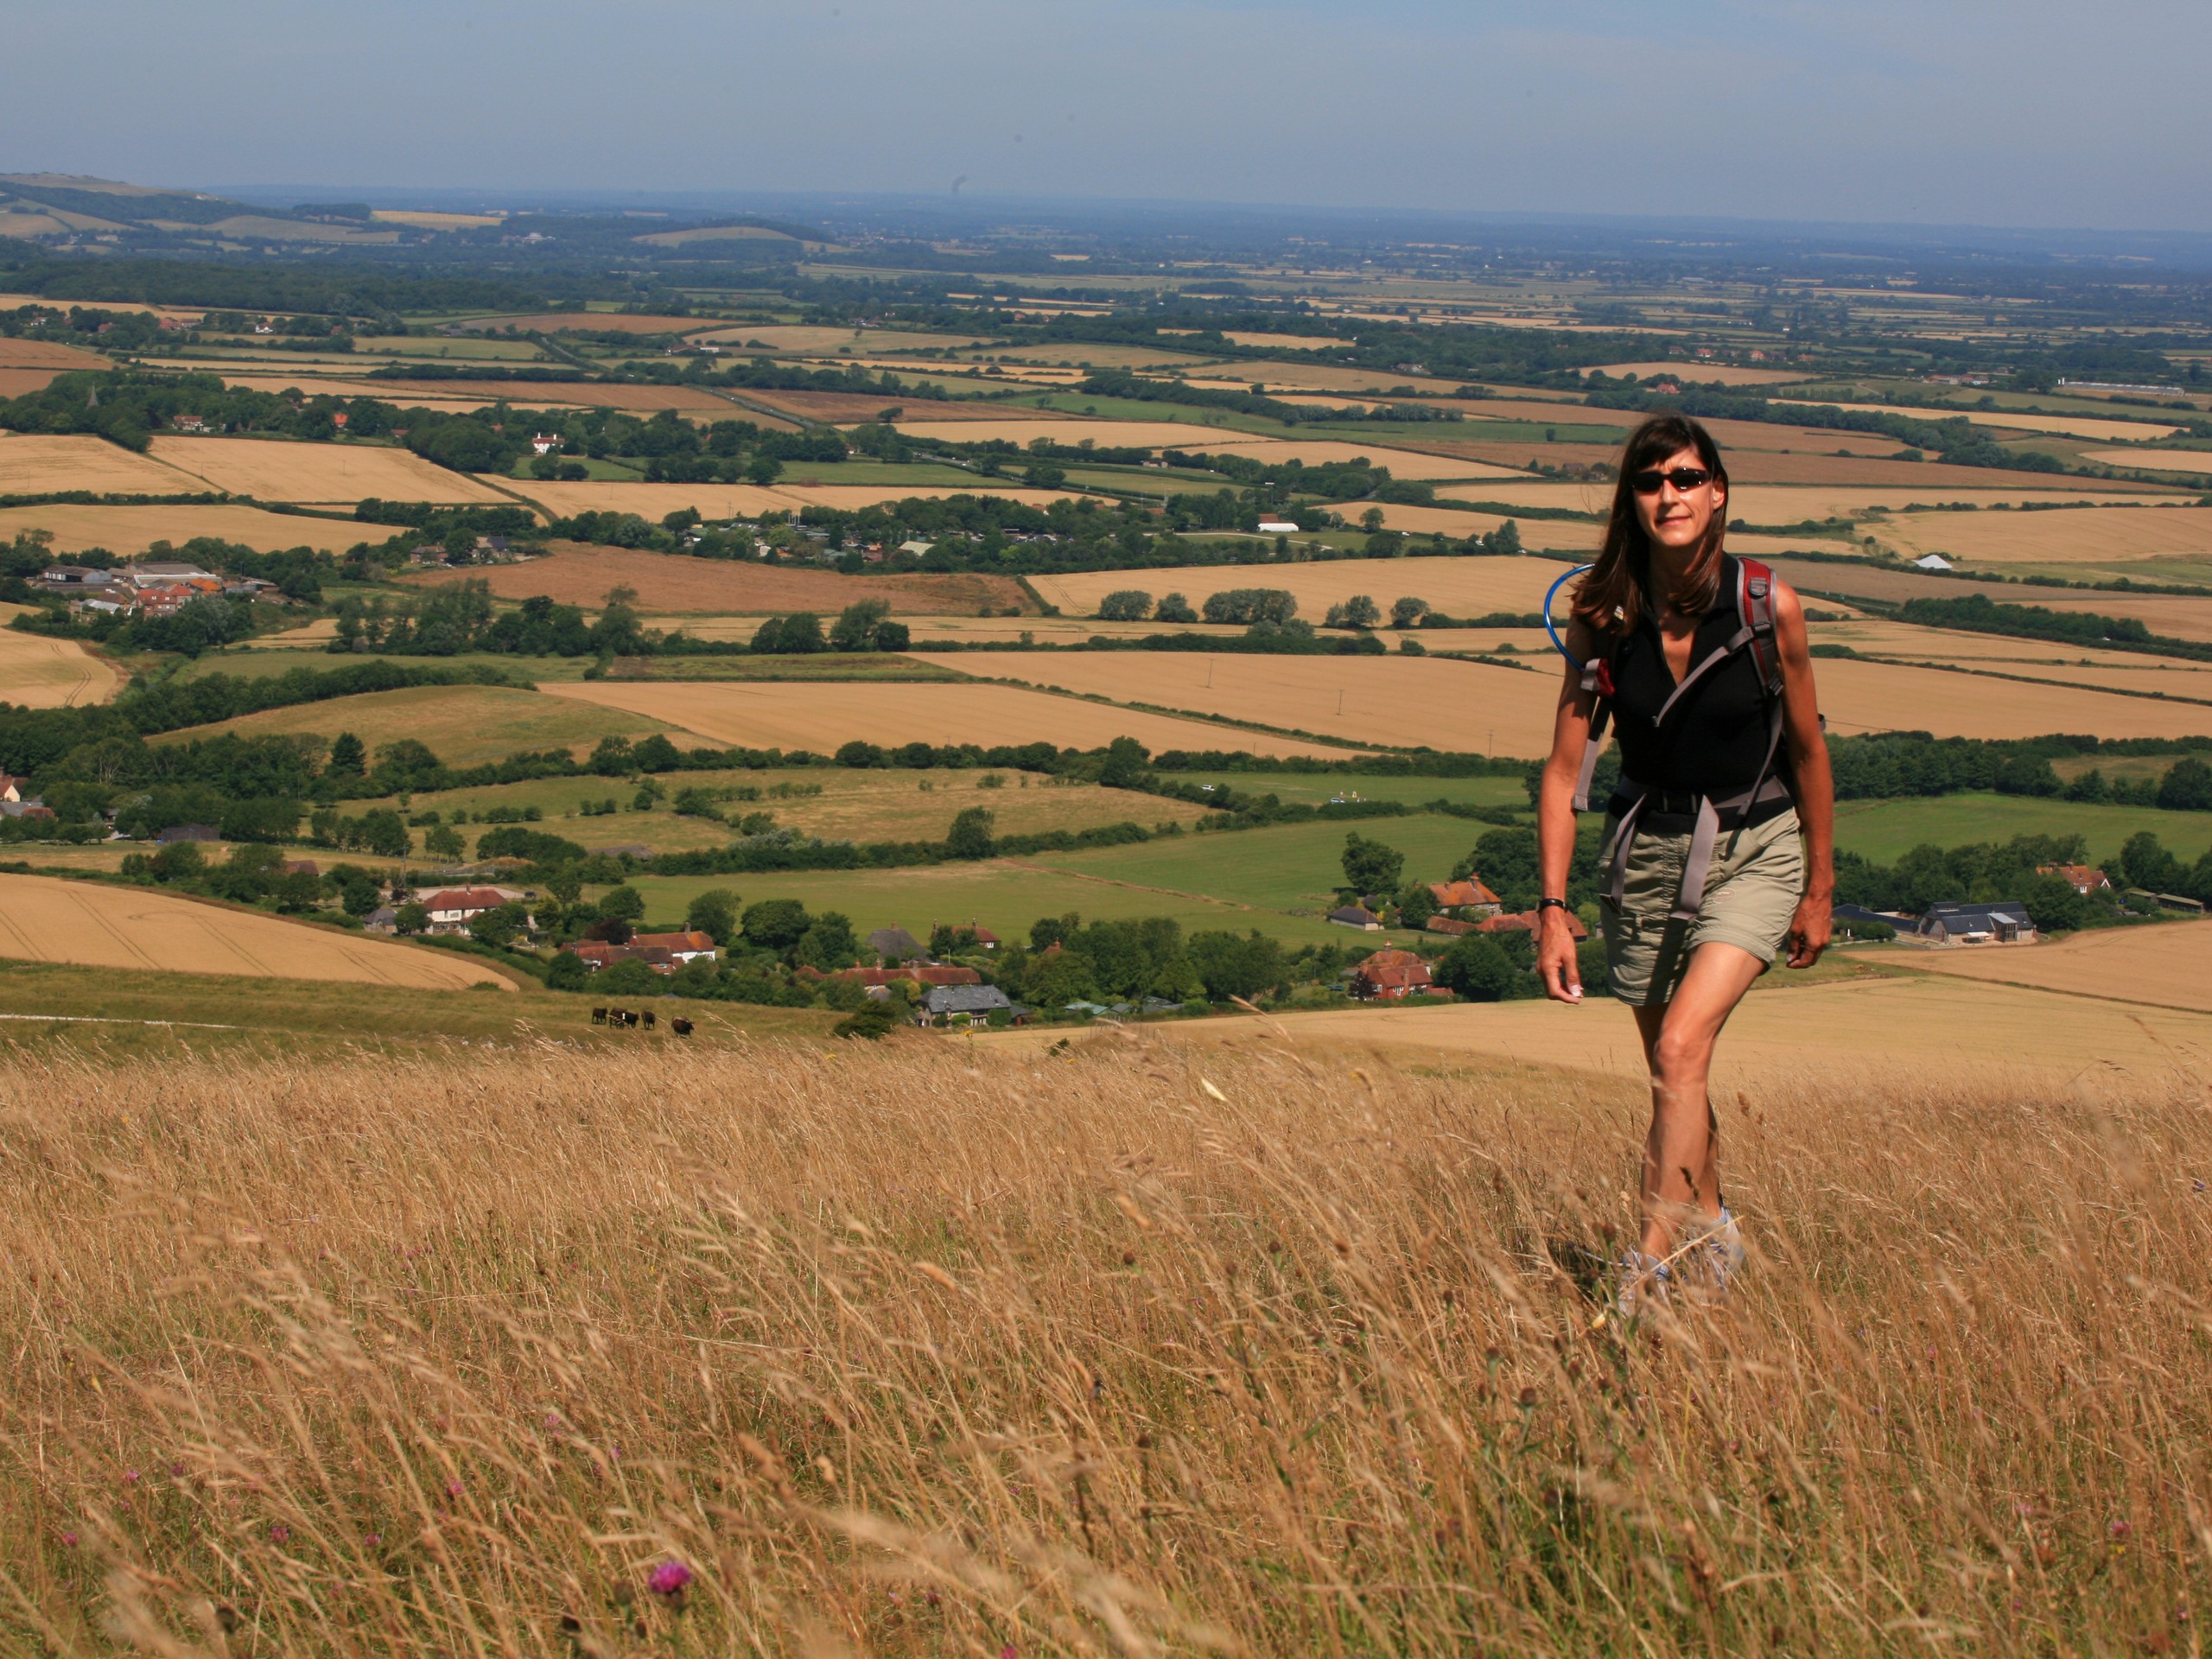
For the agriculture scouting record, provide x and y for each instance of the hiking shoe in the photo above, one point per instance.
(1717, 1246)
(1643, 1278)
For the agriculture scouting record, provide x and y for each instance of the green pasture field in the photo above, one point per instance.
(1312, 789)
(840, 804)
(510, 351)
(463, 725)
(126, 1013)
(1882, 830)
(921, 475)
(263, 663)
(1132, 409)
(1149, 480)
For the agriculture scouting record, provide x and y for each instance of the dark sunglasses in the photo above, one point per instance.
(1684, 478)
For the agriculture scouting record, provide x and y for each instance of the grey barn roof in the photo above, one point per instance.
(964, 999)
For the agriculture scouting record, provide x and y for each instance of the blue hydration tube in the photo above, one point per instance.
(1548, 627)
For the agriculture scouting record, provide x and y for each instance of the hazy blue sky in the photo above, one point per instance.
(1993, 111)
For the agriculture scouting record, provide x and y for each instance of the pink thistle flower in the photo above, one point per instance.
(669, 1579)
(454, 1489)
(131, 1476)
(1008, 1652)
(68, 1540)
(280, 1534)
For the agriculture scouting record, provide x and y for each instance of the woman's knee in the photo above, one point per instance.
(1682, 1052)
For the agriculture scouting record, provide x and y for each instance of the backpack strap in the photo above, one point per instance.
(1755, 610)
(1597, 680)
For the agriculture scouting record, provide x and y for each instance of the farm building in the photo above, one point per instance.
(689, 946)
(896, 945)
(2003, 923)
(1852, 920)
(963, 1005)
(1450, 926)
(1277, 527)
(11, 788)
(1392, 975)
(452, 907)
(1356, 916)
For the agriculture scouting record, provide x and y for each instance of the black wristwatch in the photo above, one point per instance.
(1543, 904)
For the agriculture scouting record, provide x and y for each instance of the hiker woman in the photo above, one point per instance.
(1718, 837)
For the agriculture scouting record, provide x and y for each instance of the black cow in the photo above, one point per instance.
(649, 1018)
(630, 1018)
(680, 1026)
(599, 1016)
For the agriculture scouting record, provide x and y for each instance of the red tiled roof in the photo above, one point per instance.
(1450, 895)
(1524, 921)
(689, 940)
(463, 898)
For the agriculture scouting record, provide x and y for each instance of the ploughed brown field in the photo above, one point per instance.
(46, 919)
(823, 716)
(668, 582)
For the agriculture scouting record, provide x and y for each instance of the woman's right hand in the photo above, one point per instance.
(1556, 963)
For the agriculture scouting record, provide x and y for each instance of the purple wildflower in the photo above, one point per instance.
(68, 1540)
(669, 1579)
(454, 1489)
(280, 1534)
(131, 1476)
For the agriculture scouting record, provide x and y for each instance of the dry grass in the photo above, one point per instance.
(133, 529)
(36, 464)
(2168, 966)
(820, 716)
(2088, 535)
(46, 919)
(920, 1353)
(1460, 587)
(463, 725)
(1397, 701)
(16, 353)
(1895, 696)
(39, 673)
(666, 581)
(276, 471)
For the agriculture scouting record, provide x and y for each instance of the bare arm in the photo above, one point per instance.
(1808, 761)
(1555, 961)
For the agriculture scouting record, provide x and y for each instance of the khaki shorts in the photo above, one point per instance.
(1750, 893)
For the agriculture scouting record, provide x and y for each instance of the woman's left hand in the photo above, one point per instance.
(1808, 931)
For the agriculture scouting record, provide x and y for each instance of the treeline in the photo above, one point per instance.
(1979, 613)
(1991, 871)
(1955, 439)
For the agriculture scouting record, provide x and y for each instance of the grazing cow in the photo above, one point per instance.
(599, 1016)
(630, 1019)
(680, 1026)
(617, 1017)
(649, 1018)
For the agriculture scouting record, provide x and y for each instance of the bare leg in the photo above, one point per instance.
(1681, 1155)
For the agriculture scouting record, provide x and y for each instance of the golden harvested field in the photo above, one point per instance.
(1458, 587)
(822, 716)
(130, 530)
(37, 464)
(2145, 675)
(2024, 420)
(795, 337)
(1895, 696)
(40, 673)
(464, 725)
(2168, 966)
(1107, 434)
(1282, 342)
(1876, 637)
(47, 919)
(566, 394)
(669, 582)
(21, 383)
(716, 502)
(317, 386)
(1783, 504)
(2155, 460)
(1402, 463)
(274, 470)
(2081, 535)
(1728, 374)
(429, 221)
(16, 353)
(1398, 700)
(1782, 1033)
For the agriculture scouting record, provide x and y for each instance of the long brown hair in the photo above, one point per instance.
(1612, 598)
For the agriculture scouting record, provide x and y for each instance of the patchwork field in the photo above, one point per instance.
(1404, 702)
(38, 673)
(1107, 434)
(1402, 463)
(2026, 420)
(2181, 615)
(2156, 460)
(463, 725)
(669, 582)
(717, 502)
(274, 470)
(2081, 535)
(39, 464)
(1458, 587)
(1914, 644)
(820, 718)
(1787, 504)
(47, 919)
(130, 529)
(2168, 965)
(1886, 696)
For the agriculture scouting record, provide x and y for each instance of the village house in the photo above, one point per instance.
(189, 422)
(1469, 900)
(11, 787)
(452, 909)
(2082, 878)
(896, 945)
(690, 946)
(1392, 975)
(1356, 916)
(2002, 923)
(964, 1005)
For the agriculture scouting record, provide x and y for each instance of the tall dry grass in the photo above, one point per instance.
(920, 1352)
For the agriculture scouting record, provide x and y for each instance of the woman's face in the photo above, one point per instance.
(1675, 517)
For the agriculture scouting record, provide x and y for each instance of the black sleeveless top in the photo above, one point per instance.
(1716, 737)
